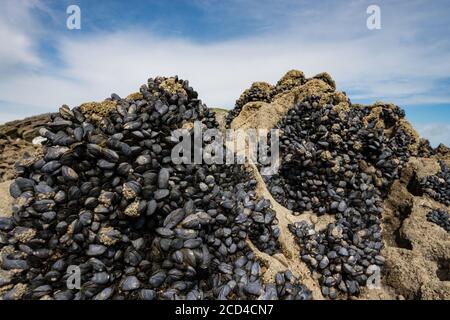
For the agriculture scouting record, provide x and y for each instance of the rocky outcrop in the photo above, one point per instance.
(407, 234)
(16, 141)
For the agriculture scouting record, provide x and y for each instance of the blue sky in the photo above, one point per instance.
(223, 46)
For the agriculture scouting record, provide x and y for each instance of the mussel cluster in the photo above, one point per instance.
(438, 186)
(441, 218)
(259, 91)
(104, 198)
(339, 161)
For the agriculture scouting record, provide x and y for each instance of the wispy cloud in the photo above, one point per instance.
(18, 36)
(435, 132)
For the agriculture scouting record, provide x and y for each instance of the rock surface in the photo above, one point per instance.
(417, 251)
(16, 140)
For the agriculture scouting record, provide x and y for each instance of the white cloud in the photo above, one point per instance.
(385, 64)
(14, 111)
